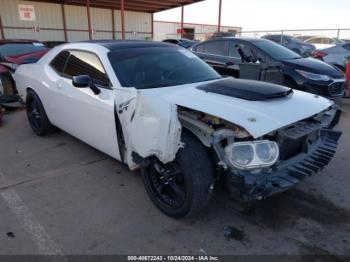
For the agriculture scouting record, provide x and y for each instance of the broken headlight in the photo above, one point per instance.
(254, 154)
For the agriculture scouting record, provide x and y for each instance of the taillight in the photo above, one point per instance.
(319, 54)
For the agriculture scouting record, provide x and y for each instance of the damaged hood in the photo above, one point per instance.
(258, 117)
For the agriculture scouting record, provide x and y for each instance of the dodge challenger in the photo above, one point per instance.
(158, 108)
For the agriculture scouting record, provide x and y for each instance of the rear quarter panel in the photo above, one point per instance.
(33, 76)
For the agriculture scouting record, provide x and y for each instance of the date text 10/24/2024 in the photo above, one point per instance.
(173, 258)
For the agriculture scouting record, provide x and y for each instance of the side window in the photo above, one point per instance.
(347, 47)
(84, 63)
(217, 48)
(233, 52)
(199, 48)
(275, 38)
(285, 40)
(331, 41)
(252, 53)
(59, 62)
(314, 41)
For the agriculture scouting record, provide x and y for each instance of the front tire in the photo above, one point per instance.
(183, 187)
(37, 116)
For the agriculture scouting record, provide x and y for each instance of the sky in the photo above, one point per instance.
(267, 14)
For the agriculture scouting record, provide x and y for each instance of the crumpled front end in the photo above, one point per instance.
(315, 155)
(256, 168)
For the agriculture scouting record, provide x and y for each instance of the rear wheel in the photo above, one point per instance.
(185, 186)
(37, 116)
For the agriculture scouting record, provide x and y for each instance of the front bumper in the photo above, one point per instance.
(286, 174)
(333, 88)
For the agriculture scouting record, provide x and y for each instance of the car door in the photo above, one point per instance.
(79, 111)
(216, 54)
(235, 58)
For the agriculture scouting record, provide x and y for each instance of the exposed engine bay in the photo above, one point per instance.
(258, 168)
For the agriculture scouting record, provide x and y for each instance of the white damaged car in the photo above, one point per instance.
(158, 107)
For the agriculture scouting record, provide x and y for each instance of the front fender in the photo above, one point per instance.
(151, 128)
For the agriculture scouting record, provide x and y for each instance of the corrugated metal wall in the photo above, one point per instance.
(49, 19)
(164, 29)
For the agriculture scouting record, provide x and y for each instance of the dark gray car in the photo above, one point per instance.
(293, 43)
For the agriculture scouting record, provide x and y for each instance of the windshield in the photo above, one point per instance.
(276, 51)
(13, 49)
(154, 67)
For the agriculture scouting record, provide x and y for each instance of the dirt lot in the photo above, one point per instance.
(60, 196)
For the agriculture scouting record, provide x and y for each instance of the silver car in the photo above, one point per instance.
(337, 55)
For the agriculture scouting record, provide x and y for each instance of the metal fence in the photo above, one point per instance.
(340, 33)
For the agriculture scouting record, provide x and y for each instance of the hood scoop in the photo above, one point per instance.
(246, 89)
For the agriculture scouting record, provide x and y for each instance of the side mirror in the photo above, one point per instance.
(84, 81)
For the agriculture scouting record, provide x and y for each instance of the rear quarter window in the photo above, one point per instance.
(215, 48)
(85, 63)
(58, 63)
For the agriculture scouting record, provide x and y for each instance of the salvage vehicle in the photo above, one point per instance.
(186, 43)
(14, 52)
(292, 43)
(158, 107)
(306, 74)
(322, 42)
(337, 55)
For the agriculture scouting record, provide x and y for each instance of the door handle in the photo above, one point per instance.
(59, 86)
(230, 64)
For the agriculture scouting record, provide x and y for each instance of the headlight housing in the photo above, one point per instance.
(312, 76)
(253, 154)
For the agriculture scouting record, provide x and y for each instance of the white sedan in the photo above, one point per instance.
(158, 107)
(321, 42)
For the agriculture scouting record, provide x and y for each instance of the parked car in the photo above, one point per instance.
(306, 74)
(186, 43)
(304, 37)
(292, 43)
(52, 44)
(12, 53)
(336, 55)
(160, 108)
(322, 42)
(222, 34)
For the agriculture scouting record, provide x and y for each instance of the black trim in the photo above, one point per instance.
(246, 89)
(120, 135)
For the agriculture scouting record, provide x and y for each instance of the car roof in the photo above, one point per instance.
(126, 44)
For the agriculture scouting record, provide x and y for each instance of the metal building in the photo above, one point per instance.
(73, 20)
(174, 30)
